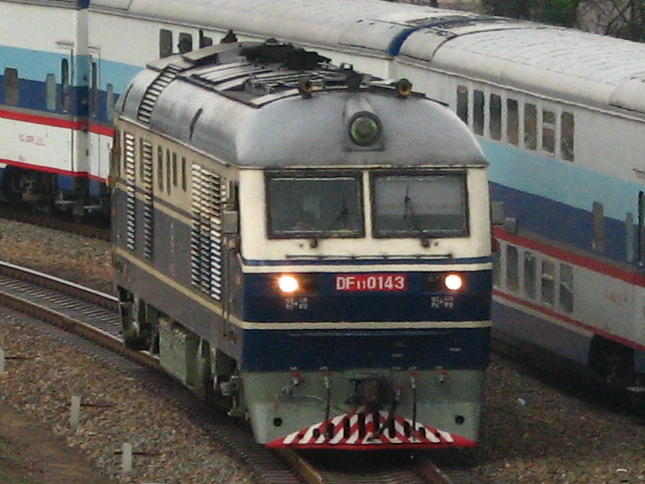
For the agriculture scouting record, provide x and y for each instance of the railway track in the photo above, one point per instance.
(91, 318)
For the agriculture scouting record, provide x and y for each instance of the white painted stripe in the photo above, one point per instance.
(366, 325)
(423, 266)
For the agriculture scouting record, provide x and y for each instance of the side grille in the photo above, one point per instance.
(206, 236)
(130, 189)
(148, 209)
(154, 90)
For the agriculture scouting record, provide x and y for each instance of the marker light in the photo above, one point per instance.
(288, 284)
(454, 282)
(403, 87)
(364, 129)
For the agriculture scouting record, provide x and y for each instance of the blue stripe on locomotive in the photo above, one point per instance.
(451, 349)
(262, 302)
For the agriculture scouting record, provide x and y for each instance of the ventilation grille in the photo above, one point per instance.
(148, 208)
(206, 236)
(130, 191)
(154, 91)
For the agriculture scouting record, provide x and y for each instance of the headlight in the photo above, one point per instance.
(288, 284)
(444, 281)
(453, 282)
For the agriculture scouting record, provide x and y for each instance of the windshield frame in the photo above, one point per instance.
(356, 178)
(424, 234)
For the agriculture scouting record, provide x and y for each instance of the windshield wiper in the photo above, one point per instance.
(407, 204)
(342, 216)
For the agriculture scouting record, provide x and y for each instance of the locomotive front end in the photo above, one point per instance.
(309, 242)
(366, 306)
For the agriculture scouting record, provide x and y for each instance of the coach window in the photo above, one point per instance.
(630, 237)
(65, 85)
(529, 274)
(11, 94)
(566, 288)
(109, 101)
(478, 111)
(204, 41)
(548, 131)
(94, 91)
(421, 205)
(512, 269)
(547, 287)
(314, 206)
(165, 43)
(566, 138)
(50, 92)
(185, 43)
(512, 121)
(495, 113)
(497, 267)
(598, 226)
(530, 126)
(462, 103)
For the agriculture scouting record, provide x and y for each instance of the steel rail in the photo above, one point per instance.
(45, 305)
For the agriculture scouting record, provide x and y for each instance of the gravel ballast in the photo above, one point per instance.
(532, 431)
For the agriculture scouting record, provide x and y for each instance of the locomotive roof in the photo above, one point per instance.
(276, 105)
(564, 63)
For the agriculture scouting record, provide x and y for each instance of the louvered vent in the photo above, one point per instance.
(154, 90)
(206, 236)
(130, 191)
(148, 209)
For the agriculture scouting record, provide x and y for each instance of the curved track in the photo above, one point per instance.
(94, 316)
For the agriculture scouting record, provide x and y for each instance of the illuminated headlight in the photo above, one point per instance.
(364, 129)
(288, 284)
(453, 282)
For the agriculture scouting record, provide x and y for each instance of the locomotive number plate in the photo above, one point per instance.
(371, 282)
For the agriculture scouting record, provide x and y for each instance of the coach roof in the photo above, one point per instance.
(561, 63)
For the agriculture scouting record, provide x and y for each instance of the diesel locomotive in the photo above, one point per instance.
(309, 242)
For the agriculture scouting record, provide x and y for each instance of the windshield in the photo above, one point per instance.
(420, 205)
(320, 206)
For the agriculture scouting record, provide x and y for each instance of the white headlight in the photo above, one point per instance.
(288, 284)
(454, 282)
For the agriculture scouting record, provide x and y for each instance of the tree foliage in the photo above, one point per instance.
(557, 12)
(619, 18)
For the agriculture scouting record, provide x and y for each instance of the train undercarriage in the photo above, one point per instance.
(43, 192)
(353, 409)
